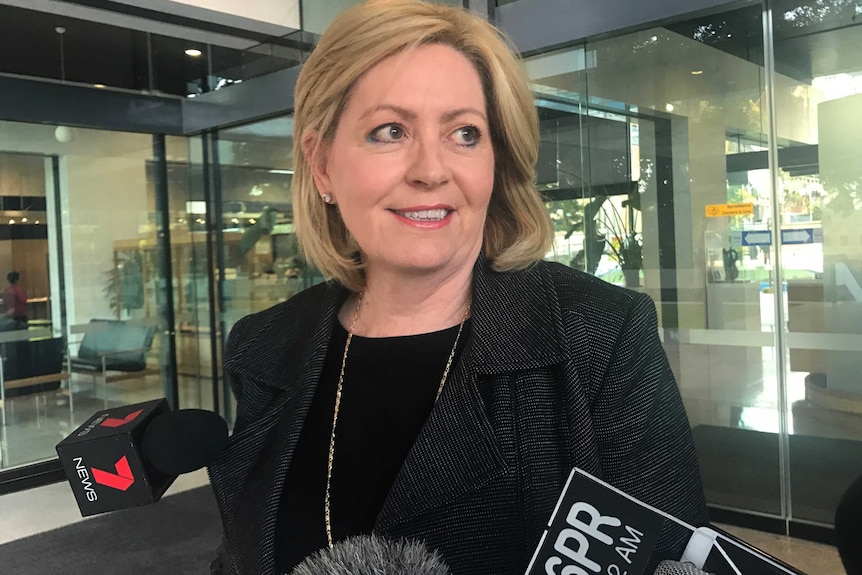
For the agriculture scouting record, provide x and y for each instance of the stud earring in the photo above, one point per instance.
(327, 199)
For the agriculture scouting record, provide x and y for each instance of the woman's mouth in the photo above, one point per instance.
(434, 215)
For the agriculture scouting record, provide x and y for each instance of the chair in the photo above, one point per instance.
(114, 350)
(30, 367)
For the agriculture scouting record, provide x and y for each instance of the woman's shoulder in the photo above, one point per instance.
(579, 291)
(300, 312)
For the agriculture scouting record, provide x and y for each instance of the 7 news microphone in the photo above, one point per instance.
(128, 456)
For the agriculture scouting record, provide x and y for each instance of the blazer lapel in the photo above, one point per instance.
(259, 455)
(516, 324)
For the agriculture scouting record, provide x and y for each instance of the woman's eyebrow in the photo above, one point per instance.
(411, 115)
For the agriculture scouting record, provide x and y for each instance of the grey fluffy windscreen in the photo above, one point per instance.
(373, 555)
(677, 568)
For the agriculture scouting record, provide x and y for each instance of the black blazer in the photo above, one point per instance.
(561, 370)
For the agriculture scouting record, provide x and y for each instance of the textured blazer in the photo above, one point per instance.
(561, 370)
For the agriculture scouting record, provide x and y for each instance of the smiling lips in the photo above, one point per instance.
(425, 217)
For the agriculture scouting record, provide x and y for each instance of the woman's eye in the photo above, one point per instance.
(467, 135)
(387, 133)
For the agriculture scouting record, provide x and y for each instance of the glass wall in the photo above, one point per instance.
(664, 173)
(818, 49)
(262, 265)
(79, 229)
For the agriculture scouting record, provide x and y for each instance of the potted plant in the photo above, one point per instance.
(624, 241)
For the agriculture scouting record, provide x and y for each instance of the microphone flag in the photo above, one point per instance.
(595, 528)
(103, 462)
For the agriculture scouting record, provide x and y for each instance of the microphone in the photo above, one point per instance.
(597, 528)
(128, 456)
(373, 555)
(677, 568)
(848, 528)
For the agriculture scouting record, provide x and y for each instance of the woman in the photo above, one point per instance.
(446, 380)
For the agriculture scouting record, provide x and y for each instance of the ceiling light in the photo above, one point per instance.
(696, 72)
(37, 221)
(668, 107)
(99, 86)
(11, 221)
(194, 53)
(289, 172)
(24, 220)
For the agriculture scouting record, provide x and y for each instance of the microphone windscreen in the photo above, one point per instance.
(183, 441)
(677, 568)
(373, 555)
(848, 528)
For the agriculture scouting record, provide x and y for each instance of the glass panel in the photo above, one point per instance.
(818, 52)
(262, 263)
(89, 270)
(191, 271)
(636, 136)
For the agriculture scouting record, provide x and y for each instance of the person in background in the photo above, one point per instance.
(445, 380)
(15, 301)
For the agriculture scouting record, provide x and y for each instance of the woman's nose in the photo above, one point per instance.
(428, 167)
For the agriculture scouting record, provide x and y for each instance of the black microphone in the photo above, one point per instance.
(848, 528)
(373, 555)
(597, 528)
(128, 456)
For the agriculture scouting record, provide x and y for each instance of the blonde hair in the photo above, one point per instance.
(517, 230)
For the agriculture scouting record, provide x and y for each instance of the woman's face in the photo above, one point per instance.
(411, 166)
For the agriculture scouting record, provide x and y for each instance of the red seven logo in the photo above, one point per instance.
(121, 480)
(114, 422)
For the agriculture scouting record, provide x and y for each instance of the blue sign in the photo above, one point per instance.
(757, 238)
(802, 236)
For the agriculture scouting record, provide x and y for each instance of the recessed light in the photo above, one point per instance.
(24, 220)
(696, 72)
(11, 221)
(193, 52)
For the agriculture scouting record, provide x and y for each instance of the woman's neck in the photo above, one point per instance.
(409, 306)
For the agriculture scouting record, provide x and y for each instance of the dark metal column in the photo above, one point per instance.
(165, 295)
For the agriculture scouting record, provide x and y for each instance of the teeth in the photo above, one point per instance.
(425, 215)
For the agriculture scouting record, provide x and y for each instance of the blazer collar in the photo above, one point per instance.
(516, 324)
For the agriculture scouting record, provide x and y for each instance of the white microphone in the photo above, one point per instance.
(373, 555)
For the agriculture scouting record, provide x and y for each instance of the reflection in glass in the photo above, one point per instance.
(634, 148)
(84, 248)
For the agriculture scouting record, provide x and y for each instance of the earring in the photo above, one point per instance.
(327, 199)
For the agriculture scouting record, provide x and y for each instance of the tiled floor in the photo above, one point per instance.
(29, 512)
(811, 558)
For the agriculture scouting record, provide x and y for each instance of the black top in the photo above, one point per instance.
(388, 391)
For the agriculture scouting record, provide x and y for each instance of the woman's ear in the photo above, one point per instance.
(315, 152)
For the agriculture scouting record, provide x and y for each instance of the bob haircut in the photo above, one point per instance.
(517, 229)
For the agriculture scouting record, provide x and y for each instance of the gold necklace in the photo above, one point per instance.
(326, 513)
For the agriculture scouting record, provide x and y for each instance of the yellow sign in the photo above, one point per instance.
(721, 210)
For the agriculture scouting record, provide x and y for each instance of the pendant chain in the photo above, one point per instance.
(326, 500)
